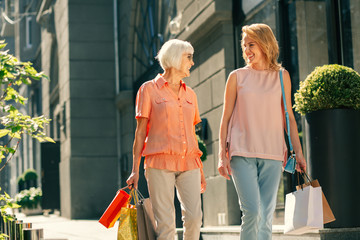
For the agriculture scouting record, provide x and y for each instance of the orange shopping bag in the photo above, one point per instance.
(112, 213)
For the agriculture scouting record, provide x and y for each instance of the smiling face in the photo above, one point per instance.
(260, 47)
(254, 55)
(186, 63)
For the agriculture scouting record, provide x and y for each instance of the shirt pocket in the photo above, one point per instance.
(160, 109)
(189, 108)
(188, 101)
(161, 100)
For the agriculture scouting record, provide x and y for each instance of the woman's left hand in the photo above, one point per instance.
(203, 182)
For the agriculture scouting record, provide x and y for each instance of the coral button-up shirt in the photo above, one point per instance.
(170, 141)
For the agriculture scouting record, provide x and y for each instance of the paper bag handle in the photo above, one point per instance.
(305, 177)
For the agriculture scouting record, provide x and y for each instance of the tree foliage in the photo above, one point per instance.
(14, 123)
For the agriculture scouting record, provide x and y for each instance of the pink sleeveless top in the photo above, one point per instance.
(256, 127)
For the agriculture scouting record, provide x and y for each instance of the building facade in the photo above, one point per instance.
(21, 32)
(98, 52)
(78, 53)
(214, 29)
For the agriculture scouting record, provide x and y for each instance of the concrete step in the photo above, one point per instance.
(233, 233)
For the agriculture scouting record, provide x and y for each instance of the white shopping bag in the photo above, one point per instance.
(304, 211)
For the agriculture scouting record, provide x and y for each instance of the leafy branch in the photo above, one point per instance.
(14, 124)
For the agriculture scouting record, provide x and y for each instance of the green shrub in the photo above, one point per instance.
(21, 182)
(202, 148)
(30, 174)
(328, 87)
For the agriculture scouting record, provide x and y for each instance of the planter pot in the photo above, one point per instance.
(332, 144)
(32, 211)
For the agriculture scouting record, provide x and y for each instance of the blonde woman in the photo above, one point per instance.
(252, 145)
(166, 114)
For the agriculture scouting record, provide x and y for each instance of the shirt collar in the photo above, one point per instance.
(161, 82)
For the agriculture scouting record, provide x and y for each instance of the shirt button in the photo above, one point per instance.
(183, 156)
(184, 142)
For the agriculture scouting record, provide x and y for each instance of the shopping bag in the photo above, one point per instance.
(112, 213)
(127, 222)
(328, 215)
(145, 220)
(303, 211)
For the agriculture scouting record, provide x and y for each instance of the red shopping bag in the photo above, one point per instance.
(112, 213)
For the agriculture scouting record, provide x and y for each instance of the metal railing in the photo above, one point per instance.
(18, 230)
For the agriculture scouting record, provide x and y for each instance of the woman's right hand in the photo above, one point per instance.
(133, 179)
(224, 166)
(229, 105)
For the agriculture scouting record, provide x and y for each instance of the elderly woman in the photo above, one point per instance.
(166, 114)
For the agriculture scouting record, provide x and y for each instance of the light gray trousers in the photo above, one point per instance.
(161, 185)
(256, 181)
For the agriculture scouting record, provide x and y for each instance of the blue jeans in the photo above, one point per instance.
(256, 181)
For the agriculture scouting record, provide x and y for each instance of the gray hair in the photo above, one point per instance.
(171, 52)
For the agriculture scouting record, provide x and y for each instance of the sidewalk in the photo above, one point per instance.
(59, 228)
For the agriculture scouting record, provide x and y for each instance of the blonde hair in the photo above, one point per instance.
(170, 54)
(264, 37)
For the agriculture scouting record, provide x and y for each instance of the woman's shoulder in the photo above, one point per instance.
(190, 91)
(190, 94)
(148, 84)
(147, 88)
(282, 69)
(242, 70)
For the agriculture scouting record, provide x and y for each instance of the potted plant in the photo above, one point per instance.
(29, 200)
(330, 100)
(30, 178)
(329, 87)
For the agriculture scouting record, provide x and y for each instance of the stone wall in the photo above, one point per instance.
(208, 26)
(82, 38)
